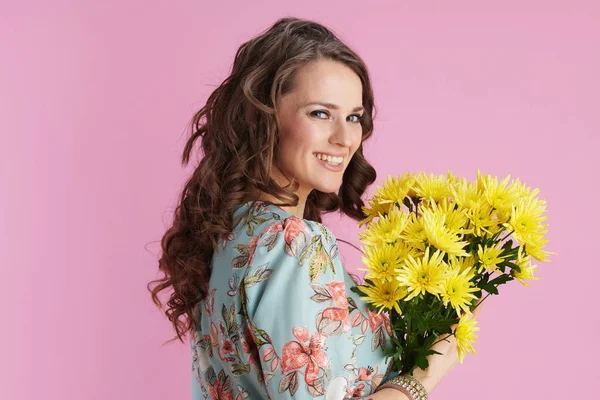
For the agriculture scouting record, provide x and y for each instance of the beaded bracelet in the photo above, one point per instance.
(408, 385)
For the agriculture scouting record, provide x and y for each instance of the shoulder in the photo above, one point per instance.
(263, 231)
(294, 235)
(263, 220)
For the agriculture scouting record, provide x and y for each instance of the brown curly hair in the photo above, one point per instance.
(238, 127)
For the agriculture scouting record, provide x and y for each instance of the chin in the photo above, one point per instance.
(327, 187)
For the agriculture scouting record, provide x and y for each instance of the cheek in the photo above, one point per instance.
(295, 147)
(305, 137)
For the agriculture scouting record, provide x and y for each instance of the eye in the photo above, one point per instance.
(319, 112)
(359, 118)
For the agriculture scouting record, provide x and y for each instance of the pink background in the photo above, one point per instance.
(94, 104)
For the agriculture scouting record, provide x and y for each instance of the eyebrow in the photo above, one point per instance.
(333, 106)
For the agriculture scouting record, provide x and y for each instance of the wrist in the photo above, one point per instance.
(426, 380)
(390, 393)
(409, 385)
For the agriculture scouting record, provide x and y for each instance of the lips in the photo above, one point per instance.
(334, 159)
(336, 168)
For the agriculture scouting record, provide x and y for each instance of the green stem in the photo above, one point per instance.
(482, 300)
(445, 337)
(452, 334)
(509, 233)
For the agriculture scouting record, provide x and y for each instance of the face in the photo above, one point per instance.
(320, 118)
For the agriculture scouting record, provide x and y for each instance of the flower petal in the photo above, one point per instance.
(293, 357)
(301, 334)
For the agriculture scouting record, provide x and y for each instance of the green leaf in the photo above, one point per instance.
(210, 376)
(398, 345)
(356, 290)
(421, 361)
(325, 232)
(307, 251)
(240, 261)
(508, 244)
(242, 249)
(314, 269)
(225, 315)
(443, 325)
(400, 324)
(488, 288)
(422, 325)
(240, 369)
(431, 351)
(485, 277)
(407, 203)
(259, 342)
(513, 266)
(263, 334)
(497, 234)
(501, 279)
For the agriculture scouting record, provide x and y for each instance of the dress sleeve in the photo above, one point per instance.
(295, 299)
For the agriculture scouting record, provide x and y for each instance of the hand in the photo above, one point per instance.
(441, 364)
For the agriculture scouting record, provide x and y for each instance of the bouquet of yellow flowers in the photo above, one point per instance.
(433, 244)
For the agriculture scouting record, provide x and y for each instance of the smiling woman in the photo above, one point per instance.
(316, 145)
(256, 279)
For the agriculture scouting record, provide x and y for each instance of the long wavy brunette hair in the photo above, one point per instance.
(238, 132)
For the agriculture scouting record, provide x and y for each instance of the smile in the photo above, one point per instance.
(335, 164)
(331, 160)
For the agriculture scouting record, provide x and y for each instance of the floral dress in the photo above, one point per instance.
(280, 320)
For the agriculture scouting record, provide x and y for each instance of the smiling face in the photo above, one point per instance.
(319, 117)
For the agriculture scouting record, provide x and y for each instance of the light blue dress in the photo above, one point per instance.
(280, 320)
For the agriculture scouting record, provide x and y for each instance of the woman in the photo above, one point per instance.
(255, 275)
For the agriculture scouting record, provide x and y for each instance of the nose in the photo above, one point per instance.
(342, 134)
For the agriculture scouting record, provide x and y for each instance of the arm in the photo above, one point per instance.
(384, 394)
(296, 304)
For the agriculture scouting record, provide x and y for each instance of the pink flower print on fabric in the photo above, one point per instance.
(305, 352)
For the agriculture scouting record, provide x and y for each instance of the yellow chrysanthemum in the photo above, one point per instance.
(432, 187)
(527, 269)
(534, 246)
(456, 218)
(384, 295)
(481, 218)
(458, 290)
(461, 263)
(499, 195)
(414, 234)
(498, 226)
(526, 218)
(465, 193)
(480, 181)
(440, 236)
(489, 257)
(466, 336)
(452, 179)
(382, 261)
(523, 190)
(374, 210)
(423, 274)
(395, 189)
(386, 229)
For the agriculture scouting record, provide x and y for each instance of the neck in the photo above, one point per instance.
(298, 210)
(281, 178)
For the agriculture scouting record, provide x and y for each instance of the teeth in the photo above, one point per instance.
(330, 159)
